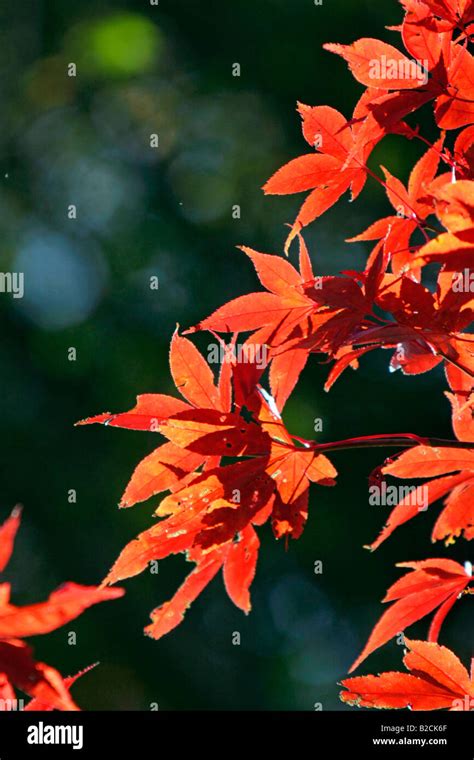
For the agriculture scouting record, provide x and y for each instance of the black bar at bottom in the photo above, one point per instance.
(373, 734)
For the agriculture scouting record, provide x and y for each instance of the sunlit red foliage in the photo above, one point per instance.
(437, 680)
(213, 506)
(413, 296)
(18, 668)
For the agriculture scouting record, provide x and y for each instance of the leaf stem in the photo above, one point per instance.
(398, 440)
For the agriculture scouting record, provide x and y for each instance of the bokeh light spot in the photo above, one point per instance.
(120, 45)
(62, 282)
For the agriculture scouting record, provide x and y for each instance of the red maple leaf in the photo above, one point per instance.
(424, 34)
(336, 316)
(212, 507)
(328, 173)
(17, 665)
(454, 207)
(426, 327)
(450, 81)
(437, 680)
(441, 69)
(412, 204)
(277, 317)
(455, 13)
(313, 314)
(455, 465)
(432, 584)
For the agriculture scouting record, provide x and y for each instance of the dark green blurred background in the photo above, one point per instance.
(168, 212)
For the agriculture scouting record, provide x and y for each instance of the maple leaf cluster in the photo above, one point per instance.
(213, 506)
(18, 668)
(228, 462)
